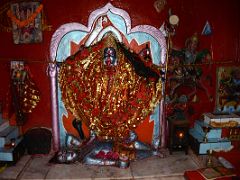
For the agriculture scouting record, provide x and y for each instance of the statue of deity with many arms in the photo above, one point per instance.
(111, 89)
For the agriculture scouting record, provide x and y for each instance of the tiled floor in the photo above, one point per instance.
(170, 167)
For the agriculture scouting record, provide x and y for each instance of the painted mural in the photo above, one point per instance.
(228, 89)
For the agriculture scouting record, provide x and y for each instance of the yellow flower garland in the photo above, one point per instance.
(26, 21)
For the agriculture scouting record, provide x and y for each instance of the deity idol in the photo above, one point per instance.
(112, 90)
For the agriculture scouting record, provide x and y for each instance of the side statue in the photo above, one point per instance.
(112, 90)
(189, 77)
(183, 71)
(189, 54)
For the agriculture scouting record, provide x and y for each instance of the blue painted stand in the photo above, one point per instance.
(215, 141)
(7, 132)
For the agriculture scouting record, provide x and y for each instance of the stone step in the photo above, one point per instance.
(4, 124)
(7, 134)
(12, 154)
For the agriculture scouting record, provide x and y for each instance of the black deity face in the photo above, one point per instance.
(110, 56)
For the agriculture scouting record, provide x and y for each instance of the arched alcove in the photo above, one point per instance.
(69, 37)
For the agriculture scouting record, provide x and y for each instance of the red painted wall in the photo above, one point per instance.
(223, 15)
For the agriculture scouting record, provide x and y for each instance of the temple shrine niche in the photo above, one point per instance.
(107, 79)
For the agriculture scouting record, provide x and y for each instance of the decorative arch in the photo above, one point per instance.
(69, 37)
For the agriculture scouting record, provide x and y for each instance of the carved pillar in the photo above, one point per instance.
(52, 72)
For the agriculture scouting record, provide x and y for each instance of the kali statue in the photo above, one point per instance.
(112, 90)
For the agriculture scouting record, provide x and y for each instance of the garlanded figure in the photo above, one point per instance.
(112, 90)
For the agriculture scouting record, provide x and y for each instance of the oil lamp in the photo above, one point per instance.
(13, 142)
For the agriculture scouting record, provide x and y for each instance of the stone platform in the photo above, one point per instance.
(171, 167)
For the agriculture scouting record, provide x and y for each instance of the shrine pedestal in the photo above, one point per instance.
(214, 138)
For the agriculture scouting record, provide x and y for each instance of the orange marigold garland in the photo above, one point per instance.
(26, 21)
